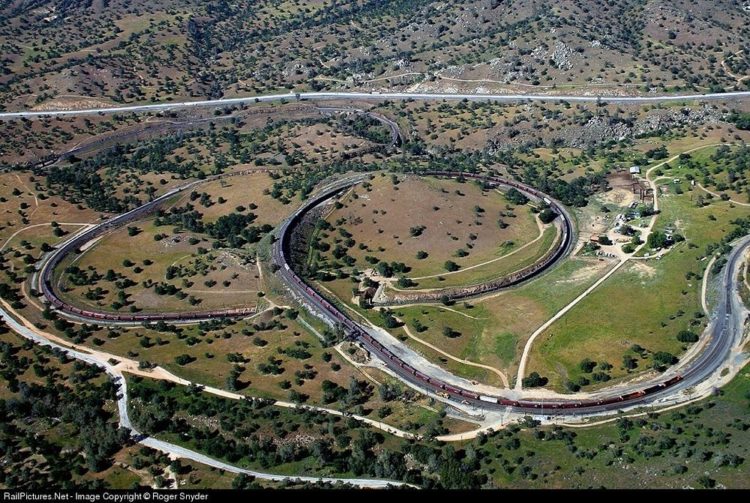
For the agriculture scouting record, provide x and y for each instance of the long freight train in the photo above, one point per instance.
(355, 332)
(47, 273)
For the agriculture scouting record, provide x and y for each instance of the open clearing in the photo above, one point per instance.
(494, 329)
(645, 304)
(204, 278)
(444, 218)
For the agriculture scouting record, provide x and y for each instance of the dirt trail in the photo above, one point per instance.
(36, 200)
(540, 226)
(444, 308)
(132, 367)
(704, 189)
(738, 78)
(502, 376)
(10, 238)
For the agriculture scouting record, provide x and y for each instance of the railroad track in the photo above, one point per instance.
(45, 278)
(717, 350)
(723, 331)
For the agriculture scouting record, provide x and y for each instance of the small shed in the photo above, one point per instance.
(635, 170)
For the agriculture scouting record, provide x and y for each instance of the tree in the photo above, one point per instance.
(404, 282)
(534, 380)
(332, 392)
(663, 359)
(687, 336)
(183, 359)
(706, 482)
(451, 266)
(516, 197)
(657, 239)
(417, 230)
(384, 269)
(547, 215)
(449, 332)
(587, 365)
(418, 325)
(244, 482)
(629, 362)
(389, 392)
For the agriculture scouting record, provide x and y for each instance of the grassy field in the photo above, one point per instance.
(214, 279)
(460, 369)
(645, 303)
(745, 283)
(301, 361)
(220, 278)
(241, 190)
(447, 219)
(24, 202)
(209, 349)
(719, 169)
(494, 329)
(498, 268)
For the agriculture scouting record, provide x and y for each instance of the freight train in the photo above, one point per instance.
(47, 272)
(355, 332)
(457, 393)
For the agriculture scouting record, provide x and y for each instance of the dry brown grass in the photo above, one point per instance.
(381, 219)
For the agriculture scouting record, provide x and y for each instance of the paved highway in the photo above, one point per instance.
(375, 96)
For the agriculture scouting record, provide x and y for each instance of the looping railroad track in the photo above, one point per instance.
(723, 332)
(561, 248)
(46, 283)
(710, 359)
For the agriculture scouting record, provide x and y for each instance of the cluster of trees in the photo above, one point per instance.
(185, 217)
(658, 239)
(516, 197)
(740, 119)
(534, 380)
(235, 229)
(79, 277)
(357, 393)
(366, 127)
(387, 270)
(37, 415)
(547, 215)
(340, 444)
(596, 372)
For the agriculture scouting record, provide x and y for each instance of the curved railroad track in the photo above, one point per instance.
(44, 280)
(560, 249)
(723, 333)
